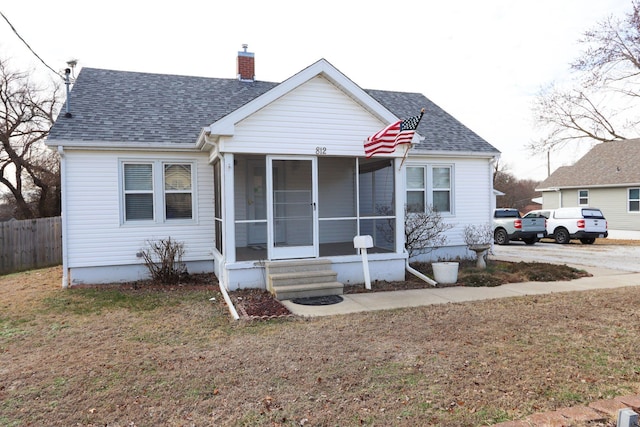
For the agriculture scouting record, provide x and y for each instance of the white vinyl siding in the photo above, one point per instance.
(315, 119)
(96, 235)
(471, 192)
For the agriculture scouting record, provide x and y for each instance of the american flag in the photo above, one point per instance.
(385, 140)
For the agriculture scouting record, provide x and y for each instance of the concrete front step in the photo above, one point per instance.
(308, 290)
(277, 267)
(302, 278)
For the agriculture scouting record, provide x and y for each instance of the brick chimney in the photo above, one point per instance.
(246, 65)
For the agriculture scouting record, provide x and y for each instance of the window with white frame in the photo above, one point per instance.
(416, 189)
(177, 191)
(429, 185)
(583, 197)
(634, 200)
(441, 188)
(138, 191)
(142, 201)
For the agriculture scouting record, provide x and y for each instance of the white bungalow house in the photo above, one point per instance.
(606, 177)
(250, 174)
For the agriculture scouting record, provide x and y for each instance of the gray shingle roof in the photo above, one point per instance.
(121, 106)
(607, 164)
(441, 131)
(146, 108)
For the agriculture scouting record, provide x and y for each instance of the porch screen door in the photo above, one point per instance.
(292, 207)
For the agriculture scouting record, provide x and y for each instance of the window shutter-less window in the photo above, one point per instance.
(138, 189)
(177, 187)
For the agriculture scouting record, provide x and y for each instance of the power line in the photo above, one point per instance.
(27, 45)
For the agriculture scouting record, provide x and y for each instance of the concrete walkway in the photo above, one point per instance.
(354, 303)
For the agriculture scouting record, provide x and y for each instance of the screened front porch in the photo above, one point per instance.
(305, 207)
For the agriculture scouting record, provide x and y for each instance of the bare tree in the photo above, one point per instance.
(518, 193)
(28, 170)
(601, 102)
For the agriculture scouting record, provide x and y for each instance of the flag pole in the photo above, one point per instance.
(406, 151)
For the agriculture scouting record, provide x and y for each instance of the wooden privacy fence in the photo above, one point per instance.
(31, 243)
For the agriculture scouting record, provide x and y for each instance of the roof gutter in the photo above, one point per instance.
(457, 154)
(125, 146)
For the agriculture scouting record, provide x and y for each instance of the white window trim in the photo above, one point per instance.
(165, 192)
(428, 177)
(159, 209)
(587, 197)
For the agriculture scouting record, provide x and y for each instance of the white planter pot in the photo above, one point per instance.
(445, 272)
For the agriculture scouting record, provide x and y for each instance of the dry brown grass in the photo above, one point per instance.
(172, 357)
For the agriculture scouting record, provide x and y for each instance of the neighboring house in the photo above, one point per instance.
(607, 177)
(247, 173)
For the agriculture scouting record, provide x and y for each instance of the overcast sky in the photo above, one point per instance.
(482, 61)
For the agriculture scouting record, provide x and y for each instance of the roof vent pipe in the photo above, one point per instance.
(67, 82)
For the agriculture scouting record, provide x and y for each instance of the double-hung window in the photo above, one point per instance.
(416, 189)
(177, 191)
(429, 185)
(441, 188)
(157, 191)
(583, 197)
(634, 200)
(138, 191)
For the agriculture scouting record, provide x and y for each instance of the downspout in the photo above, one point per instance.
(232, 309)
(419, 275)
(63, 193)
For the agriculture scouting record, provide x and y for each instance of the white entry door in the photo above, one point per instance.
(292, 207)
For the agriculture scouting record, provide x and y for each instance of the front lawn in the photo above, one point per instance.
(172, 356)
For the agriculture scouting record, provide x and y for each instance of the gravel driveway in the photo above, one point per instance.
(615, 257)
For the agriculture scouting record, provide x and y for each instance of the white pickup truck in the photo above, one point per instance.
(509, 225)
(583, 223)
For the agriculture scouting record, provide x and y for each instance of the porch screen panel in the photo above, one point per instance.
(376, 182)
(337, 205)
(217, 204)
(383, 232)
(250, 206)
(336, 236)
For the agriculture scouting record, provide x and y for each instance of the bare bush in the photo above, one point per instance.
(478, 234)
(424, 231)
(163, 258)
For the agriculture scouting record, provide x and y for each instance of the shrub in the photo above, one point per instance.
(424, 231)
(163, 259)
(478, 234)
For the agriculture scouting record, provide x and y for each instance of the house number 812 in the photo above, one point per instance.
(321, 151)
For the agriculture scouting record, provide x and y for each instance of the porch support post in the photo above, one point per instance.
(228, 205)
